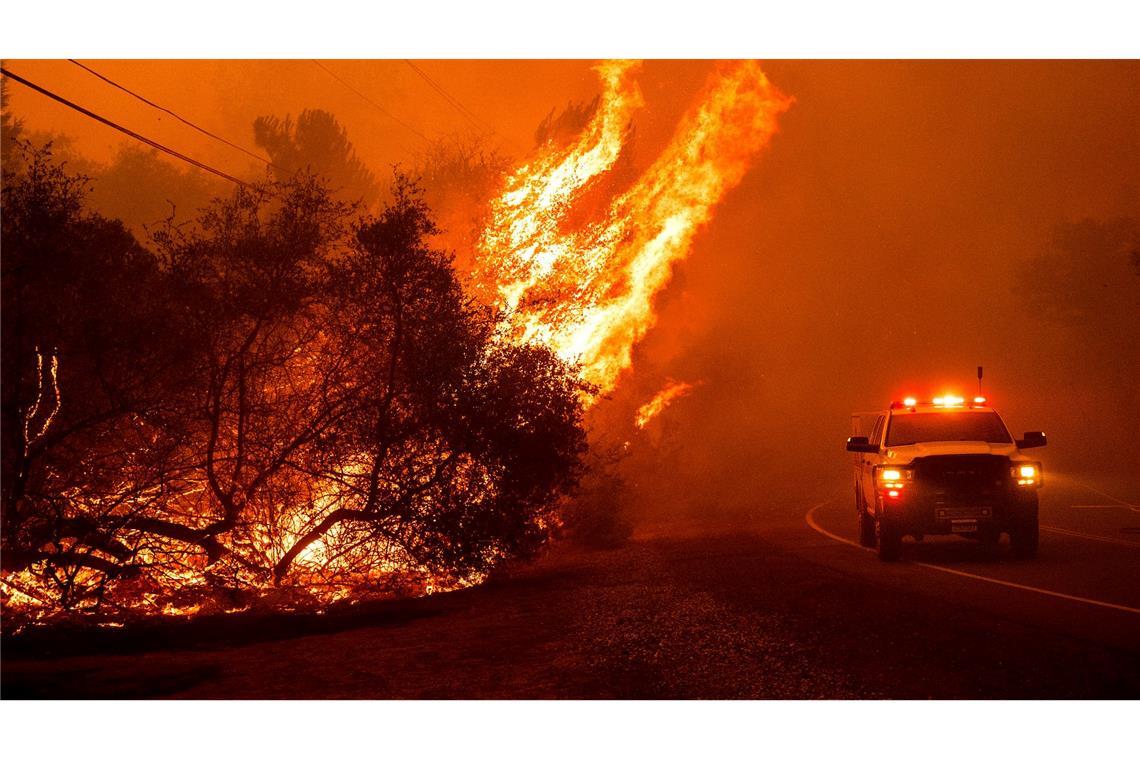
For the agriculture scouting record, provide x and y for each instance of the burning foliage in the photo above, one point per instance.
(281, 403)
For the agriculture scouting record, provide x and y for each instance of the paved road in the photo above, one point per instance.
(1085, 582)
(776, 603)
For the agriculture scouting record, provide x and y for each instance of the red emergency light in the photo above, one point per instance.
(946, 401)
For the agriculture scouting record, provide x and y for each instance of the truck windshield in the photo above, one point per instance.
(906, 429)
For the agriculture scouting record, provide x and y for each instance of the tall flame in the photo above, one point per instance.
(588, 293)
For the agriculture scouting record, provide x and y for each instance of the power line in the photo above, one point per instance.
(187, 122)
(374, 104)
(124, 130)
(475, 120)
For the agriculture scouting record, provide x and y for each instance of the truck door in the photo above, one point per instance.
(867, 464)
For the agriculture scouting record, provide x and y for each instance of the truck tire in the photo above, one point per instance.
(1023, 539)
(1024, 534)
(866, 530)
(890, 542)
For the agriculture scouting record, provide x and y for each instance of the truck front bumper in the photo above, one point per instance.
(928, 516)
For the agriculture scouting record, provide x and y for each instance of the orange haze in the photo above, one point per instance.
(882, 243)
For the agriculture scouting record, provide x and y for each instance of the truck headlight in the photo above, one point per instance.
(1026, 473)
(893, 477)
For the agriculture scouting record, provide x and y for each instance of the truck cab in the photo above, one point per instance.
(943, 467)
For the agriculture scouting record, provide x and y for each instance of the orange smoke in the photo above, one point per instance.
(588, 292)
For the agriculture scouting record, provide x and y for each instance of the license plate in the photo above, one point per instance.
(962, 513)
(963, 526)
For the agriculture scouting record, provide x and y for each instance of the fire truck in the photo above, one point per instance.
(947, 466)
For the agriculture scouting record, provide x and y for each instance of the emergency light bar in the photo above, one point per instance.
(947, 402)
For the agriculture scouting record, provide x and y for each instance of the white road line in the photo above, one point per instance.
(1108, 496)
(1091, 536)
(811, 521)
(1104, 506)
(810, 518)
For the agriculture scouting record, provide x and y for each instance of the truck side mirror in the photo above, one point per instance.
(1032, 440)
(859, 444)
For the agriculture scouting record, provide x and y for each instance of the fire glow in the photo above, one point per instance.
(586, 290)
(666, 396)
(588, 293)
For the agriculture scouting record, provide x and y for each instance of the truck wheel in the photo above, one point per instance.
(865, 524)
(890, 542)
(1023, 539)
(866, 530)
(1024, 534)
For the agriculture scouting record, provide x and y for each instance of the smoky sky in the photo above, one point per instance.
(886, 242)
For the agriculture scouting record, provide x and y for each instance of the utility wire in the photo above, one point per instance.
(187, 122)
(475, 120)
(124, 130)
(374, 104)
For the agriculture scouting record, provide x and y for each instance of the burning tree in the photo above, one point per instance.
(281, 395)
(286, 395)
(452, 448)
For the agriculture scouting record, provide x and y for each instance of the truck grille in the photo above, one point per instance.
(962, 479)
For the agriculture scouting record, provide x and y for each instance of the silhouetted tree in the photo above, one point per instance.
(11, 130)
(460, 176)
(317, 143)
(595, 515)
(254, 276)
(1084, 293)
(93, 367)
(142, 189)
(139, 186)
(1081, 279)
(1084, 285)
(455, 450)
